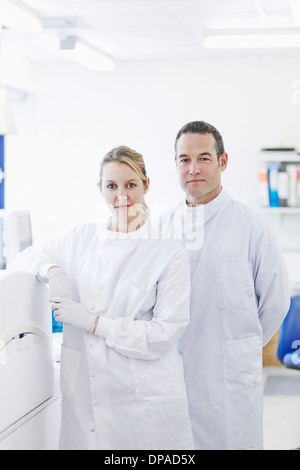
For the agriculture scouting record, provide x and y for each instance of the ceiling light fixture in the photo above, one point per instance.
(17, 16)
(75, 49)
(251, 41)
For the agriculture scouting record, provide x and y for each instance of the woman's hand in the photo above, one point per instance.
(59, 284)
(73, 314)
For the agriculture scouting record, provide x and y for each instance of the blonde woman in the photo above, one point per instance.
(123, 297)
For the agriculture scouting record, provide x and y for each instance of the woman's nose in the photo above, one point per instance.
(122, 198)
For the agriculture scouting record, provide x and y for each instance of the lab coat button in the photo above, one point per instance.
(100, 288)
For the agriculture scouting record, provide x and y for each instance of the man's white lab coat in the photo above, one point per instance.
(124, 389)
(239, 299)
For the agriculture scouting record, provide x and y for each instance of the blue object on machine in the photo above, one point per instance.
(57, 326)
(289, 336)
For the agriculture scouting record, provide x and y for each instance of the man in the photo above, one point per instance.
(239, 296)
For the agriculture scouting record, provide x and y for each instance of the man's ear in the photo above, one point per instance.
(223, 161)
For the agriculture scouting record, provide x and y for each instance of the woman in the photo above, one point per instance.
(123, 297)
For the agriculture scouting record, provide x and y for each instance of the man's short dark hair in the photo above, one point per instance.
(201, 127)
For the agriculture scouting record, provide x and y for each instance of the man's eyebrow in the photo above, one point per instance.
(183, 155)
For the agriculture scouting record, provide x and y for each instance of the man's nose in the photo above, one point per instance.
(194, 168)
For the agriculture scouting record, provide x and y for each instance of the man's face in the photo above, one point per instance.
(198, 167)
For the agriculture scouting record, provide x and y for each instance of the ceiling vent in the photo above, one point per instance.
(64, 23)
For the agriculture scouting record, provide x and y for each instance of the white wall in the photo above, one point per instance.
(74, 116)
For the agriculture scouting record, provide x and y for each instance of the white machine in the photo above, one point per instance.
(27, 376)
(17, 233)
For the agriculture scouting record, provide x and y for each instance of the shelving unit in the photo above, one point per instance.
(281, 210)
(276, 183)
(286, 221)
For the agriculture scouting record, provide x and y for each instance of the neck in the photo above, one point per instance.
(127, 225)
(205, 199)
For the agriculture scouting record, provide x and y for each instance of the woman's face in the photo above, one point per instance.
(123, 191)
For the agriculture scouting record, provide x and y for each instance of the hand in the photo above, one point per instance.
(73, 314)
(59, 284)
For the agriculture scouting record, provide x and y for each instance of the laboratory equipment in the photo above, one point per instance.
(17, 233)
(27, 379)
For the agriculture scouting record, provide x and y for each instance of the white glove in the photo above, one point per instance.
(73, 314)
(59, 284)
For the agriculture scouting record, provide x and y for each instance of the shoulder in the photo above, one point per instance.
(251, 217)
(80, 232)
(160, 244)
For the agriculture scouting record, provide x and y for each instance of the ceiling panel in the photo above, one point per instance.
(145, 29)
(210, 7)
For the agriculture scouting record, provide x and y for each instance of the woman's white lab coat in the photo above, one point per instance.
(124, 389)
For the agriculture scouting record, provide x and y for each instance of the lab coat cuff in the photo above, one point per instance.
(103, 327)
(43, 271)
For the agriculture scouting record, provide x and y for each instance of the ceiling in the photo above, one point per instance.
(145, 30)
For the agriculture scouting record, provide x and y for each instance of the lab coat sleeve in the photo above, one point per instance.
(150, 340)
(271, 283)
(38, 259)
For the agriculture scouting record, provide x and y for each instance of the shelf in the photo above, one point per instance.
(281, 210)
(292, 157)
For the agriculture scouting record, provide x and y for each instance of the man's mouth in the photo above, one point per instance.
(196, 181)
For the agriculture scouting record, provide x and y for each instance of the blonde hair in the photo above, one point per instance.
(135, 160)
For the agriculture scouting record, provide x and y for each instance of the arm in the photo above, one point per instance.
(44, 264)
(140, 339)
(271, 284)
(39, 260)
(150, 340)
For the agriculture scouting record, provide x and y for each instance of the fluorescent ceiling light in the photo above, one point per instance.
(251, 41)
(17, 16)
(76, 50)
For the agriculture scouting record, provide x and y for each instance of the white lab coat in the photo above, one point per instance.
(124, 389)
(239, 298)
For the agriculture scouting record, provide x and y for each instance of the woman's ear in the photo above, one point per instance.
(146, 185)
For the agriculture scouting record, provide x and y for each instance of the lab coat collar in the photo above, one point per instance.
(144, 232)
(211, 207)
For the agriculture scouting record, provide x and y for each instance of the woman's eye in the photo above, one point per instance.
(132, 185)
(111, 186)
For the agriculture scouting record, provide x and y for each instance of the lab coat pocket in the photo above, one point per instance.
(242, 365)
(158, 380)
(235, 286)
(143, 301)
(69, 367)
